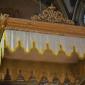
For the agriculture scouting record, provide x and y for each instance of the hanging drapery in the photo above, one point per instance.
(2, 48)
(41, 41)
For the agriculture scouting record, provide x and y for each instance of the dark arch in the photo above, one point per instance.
(81, 16)
(47, 2)
(84, 18)
(73, 2)
(78, 16)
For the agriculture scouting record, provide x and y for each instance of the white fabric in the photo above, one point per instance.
(54, 41)
(1, 48)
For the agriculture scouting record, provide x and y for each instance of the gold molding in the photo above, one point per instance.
(3, 18)
(44, 27)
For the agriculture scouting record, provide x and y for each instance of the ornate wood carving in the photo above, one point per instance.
(3, 19)
(50, 15)
(44, 27)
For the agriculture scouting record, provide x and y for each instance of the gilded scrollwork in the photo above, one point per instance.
(3, 18)
(51, 15)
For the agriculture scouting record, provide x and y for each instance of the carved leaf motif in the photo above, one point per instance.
(50, 15)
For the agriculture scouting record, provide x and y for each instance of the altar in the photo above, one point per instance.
(47, 49)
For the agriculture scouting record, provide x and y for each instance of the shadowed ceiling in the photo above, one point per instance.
(27, 8)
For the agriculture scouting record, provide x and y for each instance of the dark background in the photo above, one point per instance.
(25, 8)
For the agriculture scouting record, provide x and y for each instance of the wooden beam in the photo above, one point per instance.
(44, 27)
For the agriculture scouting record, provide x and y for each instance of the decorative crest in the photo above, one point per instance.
(51, 15)
(3, 18)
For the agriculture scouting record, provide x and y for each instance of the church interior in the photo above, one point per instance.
(42, 42)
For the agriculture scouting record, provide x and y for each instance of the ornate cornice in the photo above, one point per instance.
(50, 15)
(44, 27)
(3, 18)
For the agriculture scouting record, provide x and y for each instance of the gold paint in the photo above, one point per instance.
(52, 16)
(40, 69)
(33, 46)
(20, 45)
(43, 27)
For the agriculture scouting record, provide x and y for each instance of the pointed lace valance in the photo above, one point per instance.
(42, 42)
